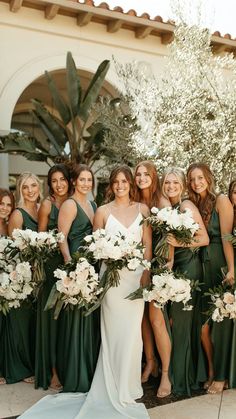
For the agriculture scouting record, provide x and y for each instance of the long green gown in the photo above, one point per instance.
(2, 328)
(221, 333)
(187, 358)
(19, 335)
(79, 336)
(46, 326)
(232, 369)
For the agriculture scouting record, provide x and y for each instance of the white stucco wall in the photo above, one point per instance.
(31, 44)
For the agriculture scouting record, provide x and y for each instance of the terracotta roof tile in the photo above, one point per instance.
(118, 9)
(132, 12)
(145, 16)
(104, 5)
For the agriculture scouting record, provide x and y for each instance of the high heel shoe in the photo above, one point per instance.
(151, 368)
(165, 391)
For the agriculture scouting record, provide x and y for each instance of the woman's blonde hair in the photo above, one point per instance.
(19, 186)
(179, 173)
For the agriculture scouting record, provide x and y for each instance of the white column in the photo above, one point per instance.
(4, 178)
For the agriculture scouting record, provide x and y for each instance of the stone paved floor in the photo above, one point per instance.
(16, 398)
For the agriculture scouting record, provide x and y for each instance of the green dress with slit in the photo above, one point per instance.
(79, 336)
(187, 358)
(221, 333)
(47, 326)
(19, 334)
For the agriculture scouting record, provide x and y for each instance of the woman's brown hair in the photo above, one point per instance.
(232, 186)
(114, 173)
(77, 169)
(6, 192)
(206, 204)
(155, 189)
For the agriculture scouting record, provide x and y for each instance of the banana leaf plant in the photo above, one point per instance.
(74, 129)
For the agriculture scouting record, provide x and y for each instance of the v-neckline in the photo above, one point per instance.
(32, 218)
(84, 210)
(127, 228)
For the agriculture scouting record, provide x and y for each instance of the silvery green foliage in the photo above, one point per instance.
(189, 113)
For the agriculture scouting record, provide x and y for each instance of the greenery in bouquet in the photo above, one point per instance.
(36, 248)
(16, 282)
(171, 221)
(231, 237)
(222, 304)
(167, 286)
(77, 286)
(117, 252)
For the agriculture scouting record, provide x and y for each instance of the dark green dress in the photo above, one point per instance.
(187, 359)
(232, 369)
(213, 261)
(19, 336)
(46, 326)
(2, 328)
(79, 336)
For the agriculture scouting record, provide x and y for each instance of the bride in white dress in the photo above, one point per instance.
(117, 380)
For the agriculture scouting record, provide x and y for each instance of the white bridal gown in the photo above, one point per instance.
(117, 380)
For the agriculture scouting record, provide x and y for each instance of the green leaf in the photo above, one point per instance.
(73, 85)
(93, 89)
(52, 299)
(58, 99)
(58, 308)
(55, 133)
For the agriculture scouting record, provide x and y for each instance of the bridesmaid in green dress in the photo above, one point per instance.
(6, 207)
(79, 335)
(217, 214)
(148, 191)
(232, 376)
(187, 362)
(47, 327)
(19, 339)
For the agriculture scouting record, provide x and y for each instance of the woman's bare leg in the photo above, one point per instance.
(151, 367)
(164, 348)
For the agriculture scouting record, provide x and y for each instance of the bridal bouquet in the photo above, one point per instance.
(166, 286)
(36, 248)
(118, 252)
(171, 221)
(77, 286)
(223, 304)
(16, 282)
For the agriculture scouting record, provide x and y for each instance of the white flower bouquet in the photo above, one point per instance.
(222, 305)
(171, 221)
(167, 287)
(118, 252)
(16, 282)
(77, 286)
(36, 248)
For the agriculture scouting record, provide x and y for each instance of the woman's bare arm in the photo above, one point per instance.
(66, 217)
(43, 215)
(226, 217)
(15, 221)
